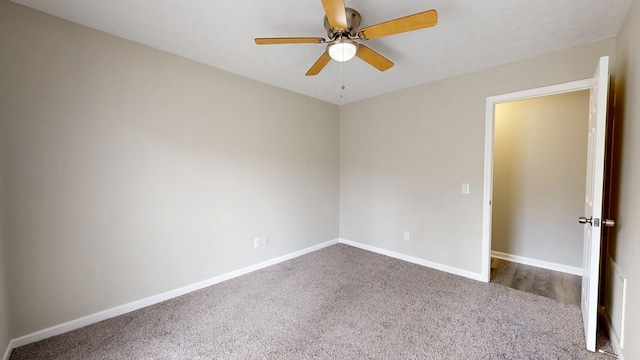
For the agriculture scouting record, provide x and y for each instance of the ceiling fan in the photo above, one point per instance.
(342, 25)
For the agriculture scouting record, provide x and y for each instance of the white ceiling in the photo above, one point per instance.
(470, 35)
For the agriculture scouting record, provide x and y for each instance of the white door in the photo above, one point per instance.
(593, 200)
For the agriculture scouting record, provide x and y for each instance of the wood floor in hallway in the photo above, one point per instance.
(556, 285)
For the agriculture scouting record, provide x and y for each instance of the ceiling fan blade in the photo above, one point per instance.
(289, 40)
(408, 23)
(319, 64)
(373, 58)
(336, 13)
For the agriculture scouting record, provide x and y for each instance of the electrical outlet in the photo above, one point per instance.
(256, 242)
(265, 240)
(406, 236)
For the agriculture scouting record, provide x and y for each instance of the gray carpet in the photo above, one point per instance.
(337, 303)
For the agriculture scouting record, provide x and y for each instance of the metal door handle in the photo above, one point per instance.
(589, 220)
(584, 220)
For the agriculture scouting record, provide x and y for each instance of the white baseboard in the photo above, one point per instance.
(135, 305)
(613, 337)
(414, 260)
(538, 263)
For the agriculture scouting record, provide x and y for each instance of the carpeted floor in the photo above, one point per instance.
(336, 303)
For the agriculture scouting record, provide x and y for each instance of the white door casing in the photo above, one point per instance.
(492, 101)
(599, 96)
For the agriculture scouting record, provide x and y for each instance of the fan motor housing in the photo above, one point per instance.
(353, 23)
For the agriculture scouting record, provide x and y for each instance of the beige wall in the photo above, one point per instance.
(5, 325)
(130, 171)
(540, 156)
(404, 156)
(625, 245)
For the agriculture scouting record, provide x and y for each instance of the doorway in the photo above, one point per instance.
(492, 103)
(540, 157)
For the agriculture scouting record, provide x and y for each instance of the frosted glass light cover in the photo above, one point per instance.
(343, 51)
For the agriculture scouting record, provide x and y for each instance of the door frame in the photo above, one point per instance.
(491, 102)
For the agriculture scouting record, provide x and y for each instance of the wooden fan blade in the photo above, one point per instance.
(408, 23)
(289, 40)
(373, 58)
(319, 64)
(336, 13)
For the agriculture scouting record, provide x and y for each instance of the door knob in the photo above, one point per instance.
(608, 222)
(584, 220)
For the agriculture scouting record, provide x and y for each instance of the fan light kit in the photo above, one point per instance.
(342, 26)
(342, 50)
